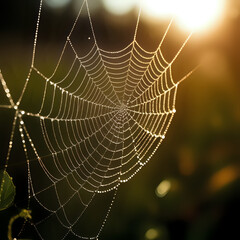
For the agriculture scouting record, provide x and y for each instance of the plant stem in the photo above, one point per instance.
(26, 214)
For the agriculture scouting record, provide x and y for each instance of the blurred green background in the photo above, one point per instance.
(198, 163)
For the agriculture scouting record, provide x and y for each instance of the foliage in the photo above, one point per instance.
(7, 190)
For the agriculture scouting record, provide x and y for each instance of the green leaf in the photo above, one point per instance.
(7, 190)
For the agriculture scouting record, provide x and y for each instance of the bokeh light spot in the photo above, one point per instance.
(119, 7)
(57, 3)
(163, 188)
(223, 177)
(152, 234)
(158, 8)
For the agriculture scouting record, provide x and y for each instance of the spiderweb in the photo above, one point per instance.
(100, 119)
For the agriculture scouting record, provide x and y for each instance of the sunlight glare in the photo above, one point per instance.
(192, 15)
(199, 14)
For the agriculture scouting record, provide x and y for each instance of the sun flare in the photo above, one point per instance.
(190, 14)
